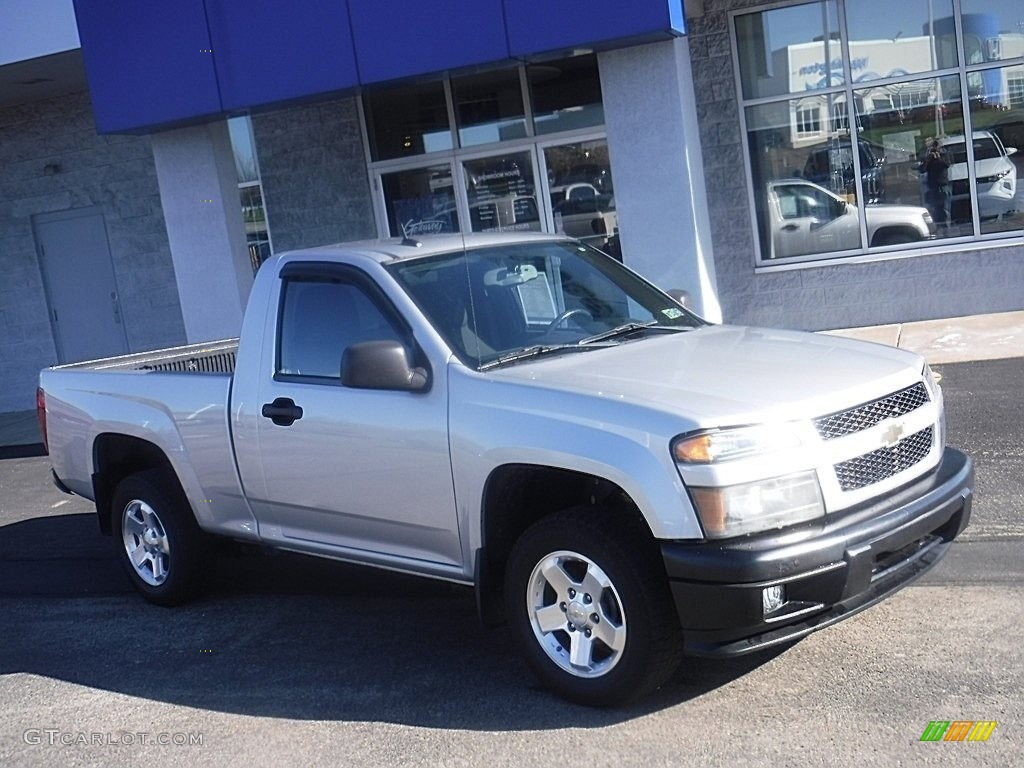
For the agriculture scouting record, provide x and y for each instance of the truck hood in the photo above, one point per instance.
(716, 375)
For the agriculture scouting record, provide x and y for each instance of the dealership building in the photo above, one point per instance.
(770, 159)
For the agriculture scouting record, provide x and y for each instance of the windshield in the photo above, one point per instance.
(984, 149)
(491, 302)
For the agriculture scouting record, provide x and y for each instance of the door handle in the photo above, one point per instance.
(283, 411)
(790, 228)
(116, 307)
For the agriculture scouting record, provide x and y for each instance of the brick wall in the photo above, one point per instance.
(114, 173)
(313, 169)
(837, 295)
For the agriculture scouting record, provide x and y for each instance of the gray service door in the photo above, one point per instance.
(75, 260)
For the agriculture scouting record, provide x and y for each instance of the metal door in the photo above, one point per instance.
(75, 259)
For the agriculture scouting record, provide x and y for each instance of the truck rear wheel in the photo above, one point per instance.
(590, 607)
(164, 552)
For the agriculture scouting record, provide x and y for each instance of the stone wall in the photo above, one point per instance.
(313, 167)
(51, 159)
(918, 287)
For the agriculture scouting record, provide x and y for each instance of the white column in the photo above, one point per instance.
(195, 169)
(654, 144)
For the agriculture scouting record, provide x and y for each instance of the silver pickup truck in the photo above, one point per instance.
(620, 481)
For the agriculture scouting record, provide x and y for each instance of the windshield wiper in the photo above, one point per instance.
(622, 330)
(521, 354)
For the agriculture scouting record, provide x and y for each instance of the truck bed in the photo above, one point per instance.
(205, 357)
(175, 398)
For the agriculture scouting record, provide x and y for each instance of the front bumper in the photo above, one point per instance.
(830, 568)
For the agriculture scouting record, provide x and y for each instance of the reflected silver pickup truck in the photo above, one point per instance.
(620, 481)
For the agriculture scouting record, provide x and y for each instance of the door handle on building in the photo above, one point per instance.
(116, 307)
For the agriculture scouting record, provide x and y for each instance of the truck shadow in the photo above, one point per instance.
(284, 636)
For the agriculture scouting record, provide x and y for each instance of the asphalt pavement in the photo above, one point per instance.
(291, 660)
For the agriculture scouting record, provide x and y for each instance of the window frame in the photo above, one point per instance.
(762, 262)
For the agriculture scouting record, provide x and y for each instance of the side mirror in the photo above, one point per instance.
(381, 365)
(1011, 151)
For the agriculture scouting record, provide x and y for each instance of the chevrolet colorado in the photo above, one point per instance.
(620, 481)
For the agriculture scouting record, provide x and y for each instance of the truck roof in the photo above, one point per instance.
(397, 248)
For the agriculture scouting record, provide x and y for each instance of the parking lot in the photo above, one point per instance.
(297, 661)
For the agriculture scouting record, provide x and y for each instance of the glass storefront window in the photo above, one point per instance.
(254, 216)
(997, 115)
(420, 201)
(502, 193)
(582, 194)
(565, 94)
(894, 39)
(409, 120)
(993, 30)
(908, 154)
(250, 190)
(789, 50)
(244, 147)
(901, 123)
(489, 107)
(804, 190)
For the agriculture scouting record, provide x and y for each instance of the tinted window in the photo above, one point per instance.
(489, 107)
(319, 320)
(566, 94)
(408, 120)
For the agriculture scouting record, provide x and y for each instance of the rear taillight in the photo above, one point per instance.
(41, 415)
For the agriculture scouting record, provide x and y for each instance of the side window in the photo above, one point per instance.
(787, 202)
(319, 320)
(816, 204)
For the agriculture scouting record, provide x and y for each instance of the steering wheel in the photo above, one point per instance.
(565, 316)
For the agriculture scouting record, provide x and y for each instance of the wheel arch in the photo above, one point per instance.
(517, 495)
(116, 456)
(885, 235)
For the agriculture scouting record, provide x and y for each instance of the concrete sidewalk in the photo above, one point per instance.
(953, 340)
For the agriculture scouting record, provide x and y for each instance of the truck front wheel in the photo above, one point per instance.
(164, 552)
(589, 606)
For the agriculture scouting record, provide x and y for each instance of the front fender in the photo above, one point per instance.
(492, 426)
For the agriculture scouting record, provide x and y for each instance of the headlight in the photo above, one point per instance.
(738, 509)
(993, 178)
(737, 443)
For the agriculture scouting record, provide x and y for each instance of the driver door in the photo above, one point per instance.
(364, 470)
(815, 221)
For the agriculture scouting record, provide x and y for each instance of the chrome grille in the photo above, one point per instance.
(882, 463)
(869, 414)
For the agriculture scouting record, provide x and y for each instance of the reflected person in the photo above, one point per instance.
(935, 166)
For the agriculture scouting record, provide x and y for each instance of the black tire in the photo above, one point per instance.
(190, 554)
(895, 237)
(630, 559)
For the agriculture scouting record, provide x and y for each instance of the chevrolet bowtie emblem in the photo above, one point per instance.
(892, 434)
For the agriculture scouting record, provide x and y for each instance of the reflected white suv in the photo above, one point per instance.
(997, 175)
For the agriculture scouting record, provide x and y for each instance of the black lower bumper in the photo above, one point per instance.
(829, 569)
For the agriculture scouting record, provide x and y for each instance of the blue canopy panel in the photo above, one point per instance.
(160, 64)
